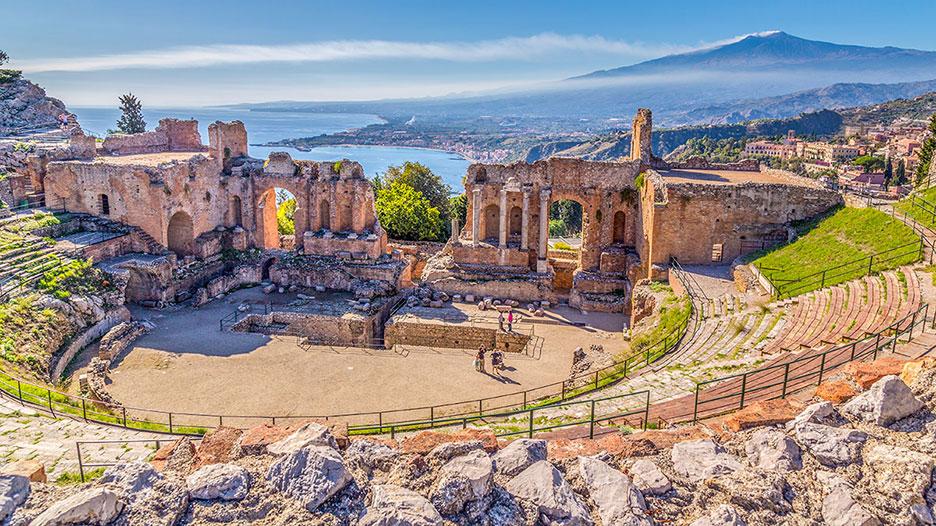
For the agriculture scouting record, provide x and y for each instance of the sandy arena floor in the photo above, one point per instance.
(187, 364)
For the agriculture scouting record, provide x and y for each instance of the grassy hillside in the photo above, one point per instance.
(922, 207)
(839, 245)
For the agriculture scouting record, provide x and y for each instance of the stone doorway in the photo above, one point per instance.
(265, 269)
(180, 237)
(277, 219)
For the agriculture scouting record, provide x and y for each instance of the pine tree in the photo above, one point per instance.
(888, 172)
(900, 176)
(131, 120)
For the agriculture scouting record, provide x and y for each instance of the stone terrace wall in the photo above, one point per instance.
(404, 332)
(348, 329)
(170, 135)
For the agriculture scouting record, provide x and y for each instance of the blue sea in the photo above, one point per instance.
(264, 127)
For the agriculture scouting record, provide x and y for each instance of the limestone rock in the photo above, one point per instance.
(902, 476)
(701, 459)
(218, 446)
(219, 481)
(818, 413)
(311, 475)
(96, 506)
(754, 489)
(761, 413)
(866, 374)
(542, 485)
(912, 369)
(649, 478)
(723, 515)
(519, 455)
(836, 391)
(395, 506)
(839, 508)
(449, 450)
(31, 469)
(770, 448)
(616, 499)
(311, 434)
(886, 402)
(463, 479)
(14, 489)
(367, 455)
(131, 477)
(830, 445)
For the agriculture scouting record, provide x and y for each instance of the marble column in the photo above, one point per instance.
(525, 221)
(502, 241)
(543, 231)
(454, 237)
(475, 216)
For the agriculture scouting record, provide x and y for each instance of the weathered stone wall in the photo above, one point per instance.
(170, 135)
(350, 328)
(405, 332)
(111, 319)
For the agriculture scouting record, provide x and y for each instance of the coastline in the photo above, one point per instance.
(353, 145)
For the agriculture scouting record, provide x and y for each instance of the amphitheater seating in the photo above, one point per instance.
(24, 258)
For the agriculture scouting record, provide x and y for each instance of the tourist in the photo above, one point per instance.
(497, 360)
(500, 321)
(479, 360)
(510, 321)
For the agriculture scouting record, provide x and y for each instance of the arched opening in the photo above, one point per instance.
(516, 221)
(104, 204)
(620, 232)
(235, 214)
(492, 223)
(277, 217)
(325, 215)
(265, 269)
(180, 235)
(565, 242)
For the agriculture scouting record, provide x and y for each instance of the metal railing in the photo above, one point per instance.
(732, 392)
(884, 260)
(927, 235)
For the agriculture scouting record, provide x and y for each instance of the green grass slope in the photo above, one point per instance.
(839, 245)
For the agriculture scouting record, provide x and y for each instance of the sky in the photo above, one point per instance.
(202, 53)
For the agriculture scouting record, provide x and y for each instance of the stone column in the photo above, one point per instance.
(543, 231)
(454, 237)
(503, 219)
(525, 221)
(475, 217)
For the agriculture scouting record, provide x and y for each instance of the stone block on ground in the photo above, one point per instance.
(310, 475)
(772, 449)
(255, 440)
(912, 369)
(817, 413)
(31, 469)
(886, 402)
(463, 480)
(865, 374)
(308, 434)
(836, 391)
(519, 455)
(543, 486)
(14, 490)
(762, 413)
(831, 446)
(425, 441)
(616, 499)
(219, 481)
(395, 506)
(697, 460)
(839, 507)
(217, 446)
(649, 478)
(97, 506)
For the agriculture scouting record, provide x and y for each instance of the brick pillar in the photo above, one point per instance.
(543, 231)
(475, 217)
(525, 221)
(502, 242)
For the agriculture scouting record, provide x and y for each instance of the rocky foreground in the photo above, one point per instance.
(865, 461)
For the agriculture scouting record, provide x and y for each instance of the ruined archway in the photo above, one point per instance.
(620, 228)
(516, 221)
(566, 227)
(235, 212)
(492, 222)
(276, 218)
(180, 236)
(265, 269)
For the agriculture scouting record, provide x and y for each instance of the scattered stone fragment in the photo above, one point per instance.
(723, 515)
(865, 374)
(310, 434)
(648, 477)
(886, 402)
(131, 477)
(311, 475)
(14, 489)
(395, 506)
(368, 455)
(818, 413)
(912, 369)
(519, 455)
(836, 391)
(770, 448)
(31, 469)
(761, 413)
(219, 481)
(463, 479)
(97, 506)
(616, 499)
(831, 446)
(839, 508)
(701, 459)
(900, 475)
(542, 485)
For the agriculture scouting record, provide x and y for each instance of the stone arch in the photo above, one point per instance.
(180, 236)
(235, 211)
(492, 222)
(265, 269)
(515, 221)
(620, 227)
(325, 215)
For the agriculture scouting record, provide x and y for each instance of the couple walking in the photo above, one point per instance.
(500, 321)
(497, 360)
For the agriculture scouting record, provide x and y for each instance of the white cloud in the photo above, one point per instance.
(513, 48)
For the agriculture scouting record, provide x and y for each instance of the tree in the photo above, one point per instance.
(286, 217)
(7, 75)
(420, 178)
(900, 175)
(406, 214)
(458, 208)
(870, 163)
(926, 152)
(131, 119)
(3, 57)
(888, 172)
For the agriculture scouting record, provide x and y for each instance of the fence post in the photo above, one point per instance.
(821, 367)
(380, 423)
(870, 262)
(125, 417)
(822, 285)
(854, 345)
(562, 397)
(84, 412)
(170, 422)
(647, 412)
(695, 405)
(80, 464)
(530, 434)
(596, 379)
(19, 388)
(524, 399)
(591, 421)
(786, 377)
(51, 409)
(431, 416)
(743, 389)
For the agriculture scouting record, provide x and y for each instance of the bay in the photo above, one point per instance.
(267, 126)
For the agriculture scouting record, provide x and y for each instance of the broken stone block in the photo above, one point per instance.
(328, 234)
(268, 289)
(482, 305)
(456, 298)
(519, 455)
(698, 460)
(649, 478)
(830, 445)
(352, 235)
(425, 302)
(888, 401)
(469, 298)
(539, 313)
(219, 481)
(319, 288)
(436, 304)
(770, 448)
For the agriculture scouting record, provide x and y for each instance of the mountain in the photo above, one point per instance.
(751, 69)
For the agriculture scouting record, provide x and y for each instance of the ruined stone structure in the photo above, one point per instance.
(637, 214)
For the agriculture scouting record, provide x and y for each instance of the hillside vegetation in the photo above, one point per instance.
(922, 207)
(840, 245)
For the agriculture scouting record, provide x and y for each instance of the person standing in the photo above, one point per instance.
(480, 359)
(500, 321)
(510, 321)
